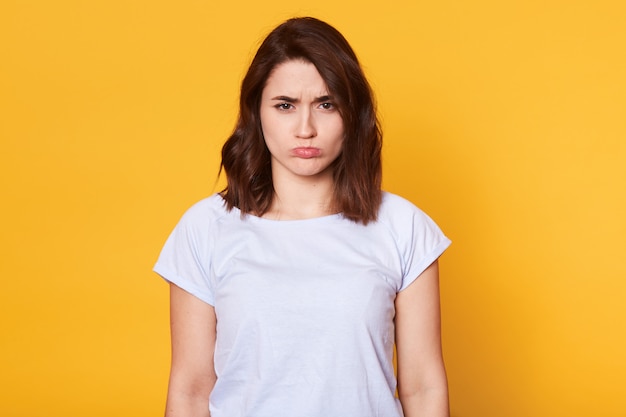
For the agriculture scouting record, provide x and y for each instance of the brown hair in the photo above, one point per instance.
(357, 172)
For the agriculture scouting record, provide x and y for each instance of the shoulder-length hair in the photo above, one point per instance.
(357, 172)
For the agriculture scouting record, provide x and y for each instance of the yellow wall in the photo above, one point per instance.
(505, 120)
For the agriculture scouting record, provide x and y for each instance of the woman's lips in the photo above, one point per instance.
(306, 152)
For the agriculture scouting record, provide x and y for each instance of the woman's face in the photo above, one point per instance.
(302, 127)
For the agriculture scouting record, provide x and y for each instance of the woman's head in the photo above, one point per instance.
(356, 171)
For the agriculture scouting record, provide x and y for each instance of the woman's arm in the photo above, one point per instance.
(422, 383)
(192, 374)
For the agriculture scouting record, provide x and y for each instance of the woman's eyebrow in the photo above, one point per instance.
(322, 99)
(288, 99)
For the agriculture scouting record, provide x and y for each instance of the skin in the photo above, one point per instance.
(304, 132)
(422, 383)
(192, 375)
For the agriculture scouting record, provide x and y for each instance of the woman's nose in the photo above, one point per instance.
(306, 126)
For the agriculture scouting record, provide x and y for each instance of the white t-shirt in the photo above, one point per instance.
(304, 308)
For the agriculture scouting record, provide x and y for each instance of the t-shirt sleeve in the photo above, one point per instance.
(422, 243)
(185, 257)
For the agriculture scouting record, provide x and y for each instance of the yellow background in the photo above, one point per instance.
(504, 120)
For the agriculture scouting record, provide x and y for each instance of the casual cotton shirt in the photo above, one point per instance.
(304, 308)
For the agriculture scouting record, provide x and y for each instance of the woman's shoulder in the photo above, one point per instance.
(395, 205)
(399, 212)
(206, 211)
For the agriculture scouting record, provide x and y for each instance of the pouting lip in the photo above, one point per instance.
(306, 152)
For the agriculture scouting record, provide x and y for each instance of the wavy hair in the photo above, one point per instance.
(357, 172)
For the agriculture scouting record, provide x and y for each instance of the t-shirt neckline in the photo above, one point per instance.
(261, 220)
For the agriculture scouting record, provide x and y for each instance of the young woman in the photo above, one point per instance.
(290, 288)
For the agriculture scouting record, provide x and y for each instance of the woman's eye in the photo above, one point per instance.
(284, 106)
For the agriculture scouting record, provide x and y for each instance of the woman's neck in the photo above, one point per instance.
(303, 198)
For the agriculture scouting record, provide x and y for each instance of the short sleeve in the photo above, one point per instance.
(419, 239)
(426, 243)
(185, 258)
